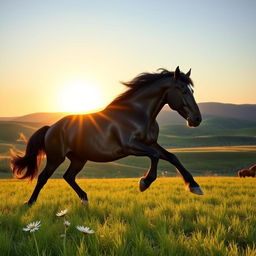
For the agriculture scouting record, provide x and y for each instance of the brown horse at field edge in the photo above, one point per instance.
(250, 172)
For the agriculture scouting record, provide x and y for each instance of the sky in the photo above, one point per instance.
(71, 55)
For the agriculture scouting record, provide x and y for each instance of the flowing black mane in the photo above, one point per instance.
(145, 79)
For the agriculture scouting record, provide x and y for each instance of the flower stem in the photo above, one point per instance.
(81, 249)
(38, 254)
(64, 242)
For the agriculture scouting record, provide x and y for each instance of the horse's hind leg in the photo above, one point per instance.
(47, 172)
(150, 176)
(75, 167)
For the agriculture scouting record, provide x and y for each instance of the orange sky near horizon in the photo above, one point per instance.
(69, 56)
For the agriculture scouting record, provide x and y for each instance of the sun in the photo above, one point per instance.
(80, 97)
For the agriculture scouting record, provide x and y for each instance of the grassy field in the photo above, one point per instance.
(164, 220)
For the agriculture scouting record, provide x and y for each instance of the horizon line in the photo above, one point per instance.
(99, 109)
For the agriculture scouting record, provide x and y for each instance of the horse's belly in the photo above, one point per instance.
(99, 151)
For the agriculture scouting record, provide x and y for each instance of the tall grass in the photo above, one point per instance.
(164, 220)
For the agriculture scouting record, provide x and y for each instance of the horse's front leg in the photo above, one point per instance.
(140, 149)
(190, 183)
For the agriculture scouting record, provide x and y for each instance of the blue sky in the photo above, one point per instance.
(46, 44)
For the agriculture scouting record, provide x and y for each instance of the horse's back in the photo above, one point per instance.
(253, 167)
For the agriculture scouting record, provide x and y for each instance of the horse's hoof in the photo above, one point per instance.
(27, 204)
(195, 190)
(84, 202)
(142, 185)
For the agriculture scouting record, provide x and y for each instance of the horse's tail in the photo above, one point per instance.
(31, 160)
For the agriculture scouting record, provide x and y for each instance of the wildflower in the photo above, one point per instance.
(85, 230)
(62, 213)
(66, 223)
(32, 227)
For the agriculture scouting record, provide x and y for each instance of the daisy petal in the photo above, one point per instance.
(62, 213)
(33, 226)
(85, 230)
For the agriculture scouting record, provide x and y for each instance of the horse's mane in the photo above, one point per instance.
(144, 79)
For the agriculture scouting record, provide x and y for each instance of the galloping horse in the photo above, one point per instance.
(127, 126)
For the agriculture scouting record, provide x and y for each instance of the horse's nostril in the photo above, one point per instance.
(198, 119)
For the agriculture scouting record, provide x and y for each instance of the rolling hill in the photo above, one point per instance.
(214, 131)
(224, 132)
(212, 109)
(166, 116)
(45, 118)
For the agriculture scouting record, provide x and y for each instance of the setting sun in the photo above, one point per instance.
(80, 96)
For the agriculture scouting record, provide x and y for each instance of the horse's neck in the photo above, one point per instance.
(150, 100)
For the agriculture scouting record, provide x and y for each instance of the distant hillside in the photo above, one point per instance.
(7, 118)
(9, 131)
(213, 132)
(244, 111)
(211, 126)
(166, 116)
(210, 109)
(46, 118)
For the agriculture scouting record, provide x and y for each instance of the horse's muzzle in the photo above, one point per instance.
(194, 121)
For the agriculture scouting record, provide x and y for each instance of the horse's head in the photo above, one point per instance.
(180, 98)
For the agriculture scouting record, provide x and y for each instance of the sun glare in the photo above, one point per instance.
(80, 97)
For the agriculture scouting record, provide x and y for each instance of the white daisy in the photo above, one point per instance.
(33, 226)
(85, 230)
(62, 213)
(66, 223)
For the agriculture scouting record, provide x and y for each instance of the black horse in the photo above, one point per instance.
(127, 126)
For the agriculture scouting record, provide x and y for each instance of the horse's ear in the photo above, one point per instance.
(188, 74)
(177, 73)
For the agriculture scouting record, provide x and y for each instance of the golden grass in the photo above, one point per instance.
(164, 220)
